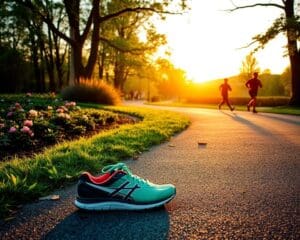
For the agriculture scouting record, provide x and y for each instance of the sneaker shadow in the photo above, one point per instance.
(150, 224)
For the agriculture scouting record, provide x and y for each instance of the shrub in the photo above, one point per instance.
(94, 91)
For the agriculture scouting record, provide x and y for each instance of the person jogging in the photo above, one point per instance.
(225, 88)
(253, 84)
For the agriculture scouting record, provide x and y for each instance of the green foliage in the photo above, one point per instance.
(249, 66)
(15, 72)
(281, 24)
(92, 91)
(24, 179)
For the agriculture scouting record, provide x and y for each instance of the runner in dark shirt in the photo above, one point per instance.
(253, 84)
(225, 88)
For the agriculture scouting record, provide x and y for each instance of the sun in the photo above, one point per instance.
(205, 43)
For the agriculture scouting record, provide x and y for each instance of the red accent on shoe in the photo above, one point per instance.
(102, 178)
(98, 179)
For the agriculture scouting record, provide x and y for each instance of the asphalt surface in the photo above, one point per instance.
(243, 183)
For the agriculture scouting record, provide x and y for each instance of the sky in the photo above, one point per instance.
(207, 41)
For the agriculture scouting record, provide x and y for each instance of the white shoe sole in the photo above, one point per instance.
(105, 206)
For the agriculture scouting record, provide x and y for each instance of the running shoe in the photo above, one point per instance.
(118, 189)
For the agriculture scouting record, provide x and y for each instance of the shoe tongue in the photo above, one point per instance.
(116, 167)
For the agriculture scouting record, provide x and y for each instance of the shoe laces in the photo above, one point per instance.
(124, 168)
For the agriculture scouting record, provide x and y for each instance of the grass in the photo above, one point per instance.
(275, 109)
(23, 180)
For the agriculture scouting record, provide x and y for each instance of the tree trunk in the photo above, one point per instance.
(87, 71)
(76, 68)
(295, 72)
(50, 63)
(101, 60)
(58, 61)
(42, 69)
(35, 62)
(72, 74)
(294, 54)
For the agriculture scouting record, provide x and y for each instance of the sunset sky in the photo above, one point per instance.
(205, 41)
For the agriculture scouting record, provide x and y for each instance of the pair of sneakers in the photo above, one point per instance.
(118, 189)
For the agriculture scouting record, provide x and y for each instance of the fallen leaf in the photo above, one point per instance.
(50, 197)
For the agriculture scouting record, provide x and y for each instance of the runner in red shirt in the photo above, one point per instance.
(253, 85)
(224, 88)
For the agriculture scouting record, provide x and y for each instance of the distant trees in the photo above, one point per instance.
(288, 23)
(286, 81)
(125, 51)
(65, 40)
(249, 66)
(173, 80)
(273, 84)
(39, 49)
(85, 20)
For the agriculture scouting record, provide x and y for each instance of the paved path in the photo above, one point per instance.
(244, 184)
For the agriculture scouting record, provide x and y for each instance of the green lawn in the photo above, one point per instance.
(23, 180)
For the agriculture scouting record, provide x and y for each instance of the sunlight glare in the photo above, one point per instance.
(207, 42)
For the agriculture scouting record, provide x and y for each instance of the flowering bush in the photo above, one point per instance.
(29, 126)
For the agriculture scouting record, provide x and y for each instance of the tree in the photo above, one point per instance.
(249, 66)
(288, 23)
(83, 31)
(286, 81)
(128, 53)
(24, 31)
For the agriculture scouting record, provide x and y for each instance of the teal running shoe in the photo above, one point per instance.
(118, 189)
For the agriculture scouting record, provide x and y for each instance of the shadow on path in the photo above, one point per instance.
(284, 119)
(256, 128)
(151, 224)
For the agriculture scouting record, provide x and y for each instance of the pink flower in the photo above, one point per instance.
(28, 123)
(33, 113)
(64, 115)
(10, 114)
(2, 125)
(28, 94)
(27, 130)
(61, 114)
(70, 104)
(59, 110)
(12, 130)
(18, 105)
(49, 108)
